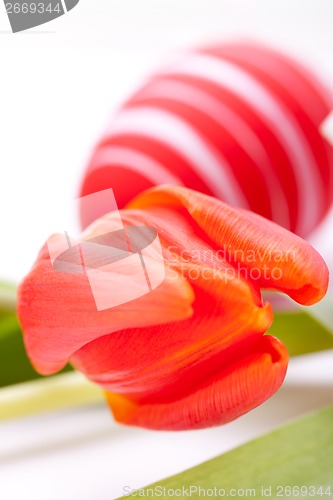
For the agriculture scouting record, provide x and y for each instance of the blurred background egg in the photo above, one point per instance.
(238, 121)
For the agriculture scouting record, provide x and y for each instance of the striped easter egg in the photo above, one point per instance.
(238, 121)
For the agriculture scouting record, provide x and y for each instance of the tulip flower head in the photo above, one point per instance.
(191, 353)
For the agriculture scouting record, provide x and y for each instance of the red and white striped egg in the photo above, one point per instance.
(237, 121)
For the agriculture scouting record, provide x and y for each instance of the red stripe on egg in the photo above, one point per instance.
(302, 99)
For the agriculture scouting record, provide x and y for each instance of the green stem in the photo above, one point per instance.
(323, 312)
(8, 295)
(48, 394)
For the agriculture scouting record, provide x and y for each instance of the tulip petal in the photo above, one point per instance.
(259, 249)
(227, 313)
(234, 391)
(58, 313)
(157, 362)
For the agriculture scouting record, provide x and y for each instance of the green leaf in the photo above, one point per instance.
(294, 456)
(301, 332)
(15, 366)
(48, 394)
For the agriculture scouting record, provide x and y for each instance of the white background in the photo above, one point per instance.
(59, 85)
(61, 82)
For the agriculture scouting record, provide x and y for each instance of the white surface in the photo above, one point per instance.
(59, 84)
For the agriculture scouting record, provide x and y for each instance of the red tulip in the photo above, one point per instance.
(192, 353)
(238, 121)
